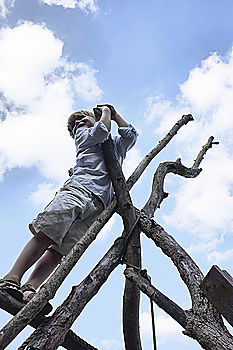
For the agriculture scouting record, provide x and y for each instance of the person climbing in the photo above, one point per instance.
(78, 202)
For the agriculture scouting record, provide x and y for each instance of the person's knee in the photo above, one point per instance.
(41, 237)
(55, 255)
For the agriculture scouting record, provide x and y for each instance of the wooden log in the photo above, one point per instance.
(217, 286)
(71, 342)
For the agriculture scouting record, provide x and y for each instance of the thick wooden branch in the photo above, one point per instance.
(158, 194)
(167, 243)
(171, 308)
(51, 335)
(48, 290)
(155, 151)
(71, 341)
(204, 322)
(131, 298)
(189, 271)
(89, 287)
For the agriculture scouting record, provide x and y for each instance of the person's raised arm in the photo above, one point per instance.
(120, 121)
(106, 117)
(115, 116)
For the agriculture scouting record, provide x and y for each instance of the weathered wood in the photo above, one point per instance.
(217, 286)
(51, 335)
(203, 151)
(13, 306)
(131, 298)
(171, 308)
(155, 151)
(48, 290)
(203, 321)
(66, 314)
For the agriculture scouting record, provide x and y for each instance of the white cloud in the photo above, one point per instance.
(5, 6)
(204, 247)
(43, 194)
(65, 3)
(37, 95)
(86, 84)
(90, 5)
(132, 159)
(86, 5)
(165, 326)
(216, 257)
(28, 53)
(111, 344)
(107, 229)
(203, 205)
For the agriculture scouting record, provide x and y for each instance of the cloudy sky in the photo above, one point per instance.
(154, 61)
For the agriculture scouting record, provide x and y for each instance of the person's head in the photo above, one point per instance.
(79, 119)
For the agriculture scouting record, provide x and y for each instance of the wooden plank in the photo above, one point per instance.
(217, 286)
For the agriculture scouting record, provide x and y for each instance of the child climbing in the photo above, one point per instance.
(78, 202)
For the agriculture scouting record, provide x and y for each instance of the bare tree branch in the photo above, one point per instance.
(171, 308)
(203, 316)
(157, 192)
(51, 335)
(203, 151)
(71, 341)
(153, 153)
(131, 298)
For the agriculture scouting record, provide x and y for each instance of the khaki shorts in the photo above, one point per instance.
(68, 216)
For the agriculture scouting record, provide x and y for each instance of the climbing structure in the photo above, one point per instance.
(202, 321)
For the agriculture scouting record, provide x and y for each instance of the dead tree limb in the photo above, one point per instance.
(131, 298)
(204, 323)
(166, 304)
(66, 314)
(203, 151)
(155, 151)
(51, 335)
(177, 254)
(71, 341)
(48, 290)
(157, 193)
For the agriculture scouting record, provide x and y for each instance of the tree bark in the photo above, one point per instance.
(204, 323)
(50, 335)
(131, 299)
(71, 341)
(169, 306)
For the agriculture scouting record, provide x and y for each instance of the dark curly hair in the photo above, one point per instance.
(74, 116)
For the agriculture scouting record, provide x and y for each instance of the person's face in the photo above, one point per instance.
(84, 121)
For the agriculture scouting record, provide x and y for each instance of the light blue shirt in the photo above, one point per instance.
(90, 169)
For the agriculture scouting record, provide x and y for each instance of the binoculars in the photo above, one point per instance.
(97, 113)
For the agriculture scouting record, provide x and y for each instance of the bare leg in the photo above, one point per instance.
(44, 267)
(33, 250)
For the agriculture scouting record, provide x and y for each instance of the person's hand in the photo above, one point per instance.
(112, 109)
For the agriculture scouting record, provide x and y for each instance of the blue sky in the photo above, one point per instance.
(154, 61)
